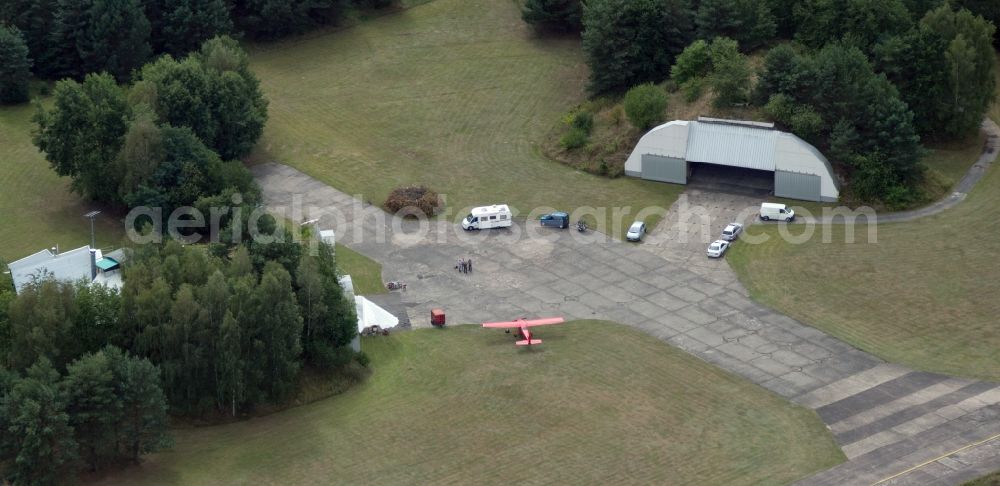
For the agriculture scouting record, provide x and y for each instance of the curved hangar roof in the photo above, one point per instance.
(749, 145)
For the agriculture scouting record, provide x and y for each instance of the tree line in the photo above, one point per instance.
(104, 408)
(863, 80)
(88, 373)
(170, 139)
(55, 39)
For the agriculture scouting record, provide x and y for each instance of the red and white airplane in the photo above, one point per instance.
(522, 326)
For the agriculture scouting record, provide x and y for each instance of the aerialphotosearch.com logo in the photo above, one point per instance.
(356, 222)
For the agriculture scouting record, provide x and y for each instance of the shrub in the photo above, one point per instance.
(692, 89)
(583, 120)
(780, 108)
(807, 124)
(603, 168)
(645, 104)
(900, 197)
(574, 139)
(412, 198)
(730, 73)
(616, 115)
(694, 62)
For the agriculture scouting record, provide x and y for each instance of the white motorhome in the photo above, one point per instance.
(777, 212)
(485, 217)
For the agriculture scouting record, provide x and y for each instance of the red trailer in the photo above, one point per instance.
(437, 317)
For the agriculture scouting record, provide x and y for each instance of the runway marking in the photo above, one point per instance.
(918, 466)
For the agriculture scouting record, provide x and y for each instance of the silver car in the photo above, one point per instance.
(732, 231)
(718, 248)
(636, 231)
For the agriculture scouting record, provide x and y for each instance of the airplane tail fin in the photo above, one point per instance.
(528, 342)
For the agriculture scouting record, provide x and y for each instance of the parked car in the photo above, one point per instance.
(636, 231)
(780, 212)
(557, 219)
(732, 231)
(718, 248)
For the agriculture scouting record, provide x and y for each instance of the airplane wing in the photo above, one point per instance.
(503, 324)
(542, 322)
(525, 322)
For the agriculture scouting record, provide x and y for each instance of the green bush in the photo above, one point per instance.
(730, 77)
(807, 124)
(780, 108)
(574, 139)
(645, 105)
(583, 120)
(900, 197)
(694, 62)
(692, 89)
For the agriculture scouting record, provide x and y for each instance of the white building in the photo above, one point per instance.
(800, 171)
(83, 263)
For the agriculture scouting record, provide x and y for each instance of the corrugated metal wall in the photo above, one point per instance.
(664, 169)
(797, 186)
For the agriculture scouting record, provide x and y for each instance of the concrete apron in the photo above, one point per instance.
(701, 309)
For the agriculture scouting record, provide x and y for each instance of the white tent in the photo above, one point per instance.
(370, 314)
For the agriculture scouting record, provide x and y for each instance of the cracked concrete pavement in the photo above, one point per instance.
(885, 417)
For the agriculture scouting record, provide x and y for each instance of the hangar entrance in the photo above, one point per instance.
(731, 180)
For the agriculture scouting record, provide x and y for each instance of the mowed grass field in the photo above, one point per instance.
(454, 94)
(924, 295)
(595, 403)
(37, 210)
(366, 274)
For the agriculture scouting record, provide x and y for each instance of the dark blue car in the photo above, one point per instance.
(557, 219)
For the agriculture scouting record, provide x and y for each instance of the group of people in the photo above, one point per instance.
(464, 266)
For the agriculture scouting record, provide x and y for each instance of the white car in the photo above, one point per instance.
(717, 248)
(732, 231)
(636, 231)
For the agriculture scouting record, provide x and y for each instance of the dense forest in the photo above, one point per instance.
(72, 38)
(88, 374)
(154, 106)
(865, 81)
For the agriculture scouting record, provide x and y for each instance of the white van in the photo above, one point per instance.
(485, 217)
(775, 211)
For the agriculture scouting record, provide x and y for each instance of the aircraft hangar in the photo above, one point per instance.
(668, 153)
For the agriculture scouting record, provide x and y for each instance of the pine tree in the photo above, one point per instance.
(749, 22)
(35, 19)
(556, 15)
(230, 380)
(116, 39)
(630, 42)
(69, 26)
(94, 410)
(37, 431)
(278, 328)
(185, 24)
(143, 427)
(15, 66)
